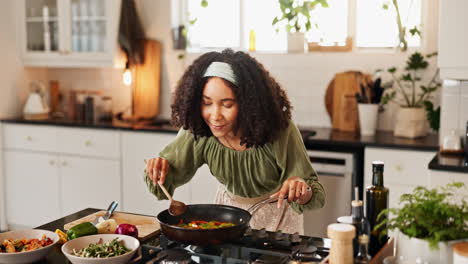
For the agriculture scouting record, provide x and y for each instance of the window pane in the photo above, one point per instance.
(214, 26)
(376, 27)
(332, 22)
(258, 16)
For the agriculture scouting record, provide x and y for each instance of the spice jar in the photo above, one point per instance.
(341, 251)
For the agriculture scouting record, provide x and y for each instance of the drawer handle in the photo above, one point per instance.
(29, 138)
(52, 162)
(64, 163)
(88, 143)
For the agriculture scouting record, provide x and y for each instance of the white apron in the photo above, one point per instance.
(271, 218)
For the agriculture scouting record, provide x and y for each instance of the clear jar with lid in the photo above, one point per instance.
(106, 109)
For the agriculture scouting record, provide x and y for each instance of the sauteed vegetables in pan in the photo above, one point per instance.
(204, 224)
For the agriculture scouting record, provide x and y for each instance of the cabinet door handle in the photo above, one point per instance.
(29, 138)
(88, 143)
(398, 168)
(52, 162)
(64, 163)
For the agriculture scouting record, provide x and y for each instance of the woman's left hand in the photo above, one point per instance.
(295, 189)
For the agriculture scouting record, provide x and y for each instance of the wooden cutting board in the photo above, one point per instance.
(147, 225)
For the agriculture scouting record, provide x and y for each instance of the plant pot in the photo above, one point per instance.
(368, 118)
(410, 248)
(411, 123)
(296, 42)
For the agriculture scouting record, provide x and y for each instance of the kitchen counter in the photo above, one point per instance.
(155, 126)
(314, 137)
(56, 256)
(382, 139)
(451, 163)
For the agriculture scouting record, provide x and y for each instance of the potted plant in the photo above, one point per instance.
(295, 16)
(429, 220)
(412, 95)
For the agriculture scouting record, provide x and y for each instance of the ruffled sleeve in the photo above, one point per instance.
(185, 156)
(292, 159)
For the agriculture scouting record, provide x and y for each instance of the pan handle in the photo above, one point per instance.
(254, 208)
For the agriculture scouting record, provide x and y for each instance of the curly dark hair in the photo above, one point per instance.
(264, 108)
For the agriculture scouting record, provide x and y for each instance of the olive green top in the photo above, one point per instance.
(249, 173)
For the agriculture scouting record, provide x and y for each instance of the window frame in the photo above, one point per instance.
(429, 29)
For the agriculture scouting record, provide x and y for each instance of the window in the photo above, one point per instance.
(230, 23)
(376, 27)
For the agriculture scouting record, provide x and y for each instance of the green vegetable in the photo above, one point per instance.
(433, 215)
(102, 250)
(83, 229)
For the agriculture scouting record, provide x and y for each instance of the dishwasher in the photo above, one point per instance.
(335, 172)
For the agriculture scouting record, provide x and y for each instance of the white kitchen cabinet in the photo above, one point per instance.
(138, 146)
(32, 188)
(441, 178)
(88, 182)
(45, 181)
(404, 170)
(453, 40)
(68, 33)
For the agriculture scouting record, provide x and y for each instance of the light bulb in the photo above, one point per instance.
(127, 77)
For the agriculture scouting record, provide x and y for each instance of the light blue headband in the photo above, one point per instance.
(222, 70)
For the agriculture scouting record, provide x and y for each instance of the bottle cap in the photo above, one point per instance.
(341, 231)
(356, 203)
(377, 166)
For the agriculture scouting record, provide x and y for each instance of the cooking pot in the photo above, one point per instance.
(205, 212)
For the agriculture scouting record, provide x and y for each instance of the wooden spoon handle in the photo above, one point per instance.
(165, 191)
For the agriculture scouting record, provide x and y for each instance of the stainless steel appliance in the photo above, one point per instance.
(335, 171)
(256, 246)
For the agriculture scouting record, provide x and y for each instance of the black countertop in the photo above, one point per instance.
(453, 163)
(56, 256)
(313, 136)
(154, 126)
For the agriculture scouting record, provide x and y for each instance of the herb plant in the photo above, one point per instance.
(408, 84)
(430, 214)
(296, 14)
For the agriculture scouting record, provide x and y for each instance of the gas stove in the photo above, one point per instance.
(255, 247)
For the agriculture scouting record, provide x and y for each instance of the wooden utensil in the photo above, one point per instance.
(176, 207)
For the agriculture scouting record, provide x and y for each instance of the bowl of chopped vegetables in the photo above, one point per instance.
(101, 249)
(26, 246)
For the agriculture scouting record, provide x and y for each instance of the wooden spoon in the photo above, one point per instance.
(176, 207)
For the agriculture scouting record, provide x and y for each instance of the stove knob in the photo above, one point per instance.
(296, 238)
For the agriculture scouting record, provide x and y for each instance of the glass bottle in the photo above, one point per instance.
(363, 256)
(376, 202)
(252, 41)
(359, 221)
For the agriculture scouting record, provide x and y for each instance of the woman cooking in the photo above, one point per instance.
(236, 118)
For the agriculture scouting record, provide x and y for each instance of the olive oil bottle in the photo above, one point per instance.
(376, 201)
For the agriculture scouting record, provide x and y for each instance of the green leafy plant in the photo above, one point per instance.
(430, 214)
(402, 30)
(408, 83)
(296, 14)
(433, 115)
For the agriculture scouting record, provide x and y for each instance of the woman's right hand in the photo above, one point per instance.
(157, 169)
